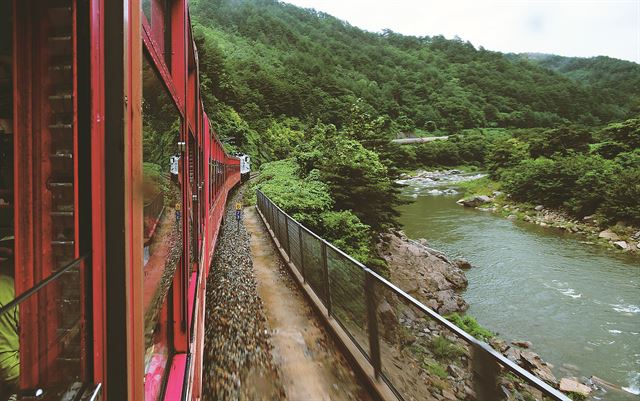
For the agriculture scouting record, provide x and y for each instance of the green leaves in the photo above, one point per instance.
(293, 62)
(575, 182)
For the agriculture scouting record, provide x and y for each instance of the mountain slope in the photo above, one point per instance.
(268, 59)
(620, 78)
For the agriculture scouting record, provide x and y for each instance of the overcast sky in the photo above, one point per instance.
(567, 27)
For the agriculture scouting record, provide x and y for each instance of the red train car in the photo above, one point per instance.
(112, 191)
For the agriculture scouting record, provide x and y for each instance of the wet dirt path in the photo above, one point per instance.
(311, 367)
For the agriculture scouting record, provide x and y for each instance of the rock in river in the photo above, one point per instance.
(621, 244)
(572, 386)
(522, 344)
(462, 264)
(608, 234)
(474, 201)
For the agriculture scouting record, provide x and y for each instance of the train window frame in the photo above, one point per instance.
(161, 33)
(159, 322)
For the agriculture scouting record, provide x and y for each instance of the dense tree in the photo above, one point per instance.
(574, 182)
(560, 140)
(268, 59)
(505, 152)
(358, 181)
(613, 78)
(284, 82)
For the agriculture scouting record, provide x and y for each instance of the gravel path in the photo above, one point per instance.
(238, 363)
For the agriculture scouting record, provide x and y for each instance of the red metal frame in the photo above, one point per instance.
(211, 186)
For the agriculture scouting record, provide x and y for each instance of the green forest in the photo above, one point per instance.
(316, 101)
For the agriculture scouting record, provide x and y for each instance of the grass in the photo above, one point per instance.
(435, 368)
(471, 326)
(417, 349)
(444, 348)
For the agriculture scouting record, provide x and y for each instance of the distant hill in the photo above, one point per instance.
(620, 78)
(267, 59)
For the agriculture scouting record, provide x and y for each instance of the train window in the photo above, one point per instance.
(162, 213)
(9, 343)
(44, 338)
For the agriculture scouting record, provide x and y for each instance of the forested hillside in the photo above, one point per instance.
(267, 60)
(620, 78)
(316, 102)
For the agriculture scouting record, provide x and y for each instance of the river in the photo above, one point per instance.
(578, 304)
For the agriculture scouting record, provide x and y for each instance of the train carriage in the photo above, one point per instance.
(112, 190)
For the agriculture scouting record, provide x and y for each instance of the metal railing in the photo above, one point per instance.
(416, 351)
(49, 320)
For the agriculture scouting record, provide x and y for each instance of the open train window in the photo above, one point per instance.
(162, 213)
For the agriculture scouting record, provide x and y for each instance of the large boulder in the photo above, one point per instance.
(522, 344)
(474, 201)
(572, 386)
(622, 245)
(608, 234)
(423, 273)
(531, 362)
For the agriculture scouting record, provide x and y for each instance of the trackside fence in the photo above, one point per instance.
(419, 354)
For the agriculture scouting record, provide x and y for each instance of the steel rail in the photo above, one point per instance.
(31, 291)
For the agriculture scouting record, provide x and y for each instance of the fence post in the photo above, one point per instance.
(286, 227)
(485, 375)
(304, 277)
(276, 226)
(325, 273)
(280, 236)
(372, 320)
(273, 227)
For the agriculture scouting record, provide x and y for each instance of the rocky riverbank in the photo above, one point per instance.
(623, 237)
(424, 273)
(620, 236)
(442, 359)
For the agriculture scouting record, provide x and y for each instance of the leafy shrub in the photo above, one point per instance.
(344, 230)
(626, 135)
(622, 197)
(471, 326)
(305, 199)
(563, 140)
(308, 201)
(575, 182)
(505, 152)
(438, 153)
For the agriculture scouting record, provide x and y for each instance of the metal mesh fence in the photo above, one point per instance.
(418, 353)
(294, 243)
(418, 356)
(348, 305)
(313, 274)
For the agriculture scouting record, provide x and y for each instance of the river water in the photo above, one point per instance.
(578, 304)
